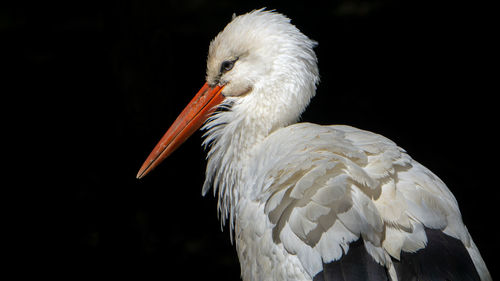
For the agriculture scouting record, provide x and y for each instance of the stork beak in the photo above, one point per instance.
(190, 120)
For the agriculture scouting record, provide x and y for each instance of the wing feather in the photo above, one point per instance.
(329, 186)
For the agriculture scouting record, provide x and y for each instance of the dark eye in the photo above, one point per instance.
(226, 66)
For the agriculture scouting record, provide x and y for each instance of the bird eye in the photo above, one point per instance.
(227, 65)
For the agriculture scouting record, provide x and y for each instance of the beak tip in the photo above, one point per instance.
(143, 171)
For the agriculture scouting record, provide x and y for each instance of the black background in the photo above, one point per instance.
(95, 84)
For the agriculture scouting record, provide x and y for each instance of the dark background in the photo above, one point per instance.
(95, 84)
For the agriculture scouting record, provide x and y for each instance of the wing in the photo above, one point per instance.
(349, 202)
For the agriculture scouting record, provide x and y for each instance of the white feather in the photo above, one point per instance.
(297, 195)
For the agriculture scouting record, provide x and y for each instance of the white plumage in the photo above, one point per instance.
(298, 195)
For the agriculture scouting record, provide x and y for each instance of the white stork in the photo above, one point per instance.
(311, 202)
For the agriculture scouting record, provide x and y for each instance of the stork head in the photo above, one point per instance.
(256, 50)
(262, 65)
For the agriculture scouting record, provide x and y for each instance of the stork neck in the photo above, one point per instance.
(234, 133)
(231, 137)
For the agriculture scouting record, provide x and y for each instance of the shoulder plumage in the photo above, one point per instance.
(325, 187)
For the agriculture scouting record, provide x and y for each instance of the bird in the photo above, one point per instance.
(306, 201)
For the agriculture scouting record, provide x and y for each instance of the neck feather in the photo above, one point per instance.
(230, 137)
(231, 134)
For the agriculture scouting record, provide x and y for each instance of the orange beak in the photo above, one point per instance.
(190, 120)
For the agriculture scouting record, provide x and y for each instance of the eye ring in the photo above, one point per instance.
(227, 65)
